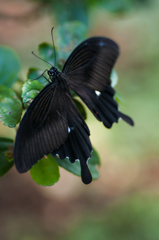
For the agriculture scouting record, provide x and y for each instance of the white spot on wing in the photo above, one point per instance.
(97, 93)
(69, 130)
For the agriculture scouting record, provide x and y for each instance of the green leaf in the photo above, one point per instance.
(94, 162)
(46, 52)
(34, 73)
(30, 90)
(4, 143)
(119, 99)
(17, 87)
(68, 36)
(75, 168)
(73, 94)
(70, 10)
(46, 171)
(80, 108)
(9, 66)
(6, 155)
(10, 107)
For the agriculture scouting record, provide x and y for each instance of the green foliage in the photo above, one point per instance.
(17, 87)
(69, 10)
(10, 107)
(75, 168)
(46, 52)
(46, 171)
(94, 163)
(68, 36)
(6, 155)
(34, 73)
(30, 90)
(9, 66)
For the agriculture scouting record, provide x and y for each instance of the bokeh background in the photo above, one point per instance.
(123, 204)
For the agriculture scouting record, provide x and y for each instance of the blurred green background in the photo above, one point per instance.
(123, 204)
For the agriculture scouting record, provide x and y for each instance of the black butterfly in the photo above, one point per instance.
(52, 123)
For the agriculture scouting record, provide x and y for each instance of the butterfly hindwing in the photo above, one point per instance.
(43, 128)
(103, 105)
(77, 146)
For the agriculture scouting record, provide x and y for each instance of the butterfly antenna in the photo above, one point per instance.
(53, 46)
(40, 58)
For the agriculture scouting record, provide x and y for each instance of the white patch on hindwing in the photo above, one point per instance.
(97, 93)
(70, 129)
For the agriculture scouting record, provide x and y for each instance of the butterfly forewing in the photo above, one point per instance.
(41, 105)
(80, 59)
(43, 128)
(89, 77)
(91, 63)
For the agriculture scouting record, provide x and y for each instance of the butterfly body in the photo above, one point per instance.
(53, 73)
(53, 124)
(56, 77)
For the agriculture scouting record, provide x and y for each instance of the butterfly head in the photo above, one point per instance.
(53, 73)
